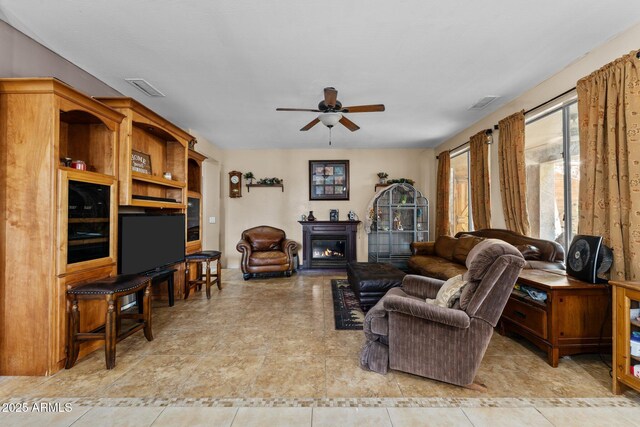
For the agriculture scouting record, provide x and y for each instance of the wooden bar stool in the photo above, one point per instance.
(199, 258)
(109, 290)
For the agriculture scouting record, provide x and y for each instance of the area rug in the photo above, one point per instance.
(346, 308)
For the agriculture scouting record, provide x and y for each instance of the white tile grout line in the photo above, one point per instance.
(543, 416)
(233, 420)
(389, 415)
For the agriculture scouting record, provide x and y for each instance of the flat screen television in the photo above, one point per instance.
(149, 242)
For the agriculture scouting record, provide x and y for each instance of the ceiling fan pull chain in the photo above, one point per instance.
(329, 136)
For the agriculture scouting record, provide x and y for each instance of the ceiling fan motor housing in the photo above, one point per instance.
(322, 106)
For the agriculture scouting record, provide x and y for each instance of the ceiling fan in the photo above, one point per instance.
(332, 112)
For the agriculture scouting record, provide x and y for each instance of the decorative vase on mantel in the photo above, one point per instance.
(310, 217)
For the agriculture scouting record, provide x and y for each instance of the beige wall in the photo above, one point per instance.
(24, 57)
(550, 88)
(270, 206)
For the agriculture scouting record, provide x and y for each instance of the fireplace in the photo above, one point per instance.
(328, 244)
(328, 251)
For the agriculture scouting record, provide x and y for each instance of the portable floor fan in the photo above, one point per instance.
(588, 257)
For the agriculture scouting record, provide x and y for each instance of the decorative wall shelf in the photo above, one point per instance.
(378, 185)
(265, 185)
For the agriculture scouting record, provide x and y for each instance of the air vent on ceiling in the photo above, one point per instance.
(144, 86)
(483, 102)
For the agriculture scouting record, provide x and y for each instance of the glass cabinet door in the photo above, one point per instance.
(193, 219)
(88, 221)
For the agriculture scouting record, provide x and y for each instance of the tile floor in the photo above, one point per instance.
(265, 352)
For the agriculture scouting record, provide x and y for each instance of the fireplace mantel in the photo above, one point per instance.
(319, 229)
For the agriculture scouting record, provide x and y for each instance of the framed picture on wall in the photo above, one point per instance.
(328, 179)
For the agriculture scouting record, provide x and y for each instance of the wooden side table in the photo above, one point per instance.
(109, 290)
(626, 297)
(575, 318)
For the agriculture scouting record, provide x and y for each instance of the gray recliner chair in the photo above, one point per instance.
(406, 333)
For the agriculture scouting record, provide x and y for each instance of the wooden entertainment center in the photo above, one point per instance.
(575, 318)
(61, 218)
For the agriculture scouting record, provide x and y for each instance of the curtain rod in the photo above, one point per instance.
(566, 92)
(549, 101)
(486, 132)
(496, 127)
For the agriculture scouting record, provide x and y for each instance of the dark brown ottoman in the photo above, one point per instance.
(370, 281)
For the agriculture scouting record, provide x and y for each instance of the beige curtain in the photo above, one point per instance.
(609, 117)
(480, 193)
(513, 180)
(443, 227)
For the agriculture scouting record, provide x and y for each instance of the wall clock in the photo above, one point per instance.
(235, 184)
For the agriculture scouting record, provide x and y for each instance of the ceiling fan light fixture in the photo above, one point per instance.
(330, 119)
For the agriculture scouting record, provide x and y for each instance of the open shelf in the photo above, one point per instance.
(194, 172)
(157, 204)
(164, 147)
(85, 137)
(523, 296)
(139, 176)
(88, 175)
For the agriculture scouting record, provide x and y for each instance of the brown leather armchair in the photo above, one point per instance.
(266, 250)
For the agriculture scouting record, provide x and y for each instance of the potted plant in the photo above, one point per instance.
(249, 177)
(270, 181)
(382, 176)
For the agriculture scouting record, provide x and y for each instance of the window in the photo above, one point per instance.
(552, 158)
(460, 196)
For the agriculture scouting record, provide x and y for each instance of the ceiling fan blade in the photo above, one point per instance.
(349, 124)
(311, 124)
(363, 108)
(297, 109)
(330, 96)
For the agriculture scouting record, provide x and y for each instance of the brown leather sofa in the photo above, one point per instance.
(446, 257)
(266, 250)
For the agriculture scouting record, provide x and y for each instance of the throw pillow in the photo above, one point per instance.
(449, 292)
(464, 246)
(444, 247)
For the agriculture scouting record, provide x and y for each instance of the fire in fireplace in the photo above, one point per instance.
(326, 250)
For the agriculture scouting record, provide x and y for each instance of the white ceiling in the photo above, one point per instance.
(225, 65)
